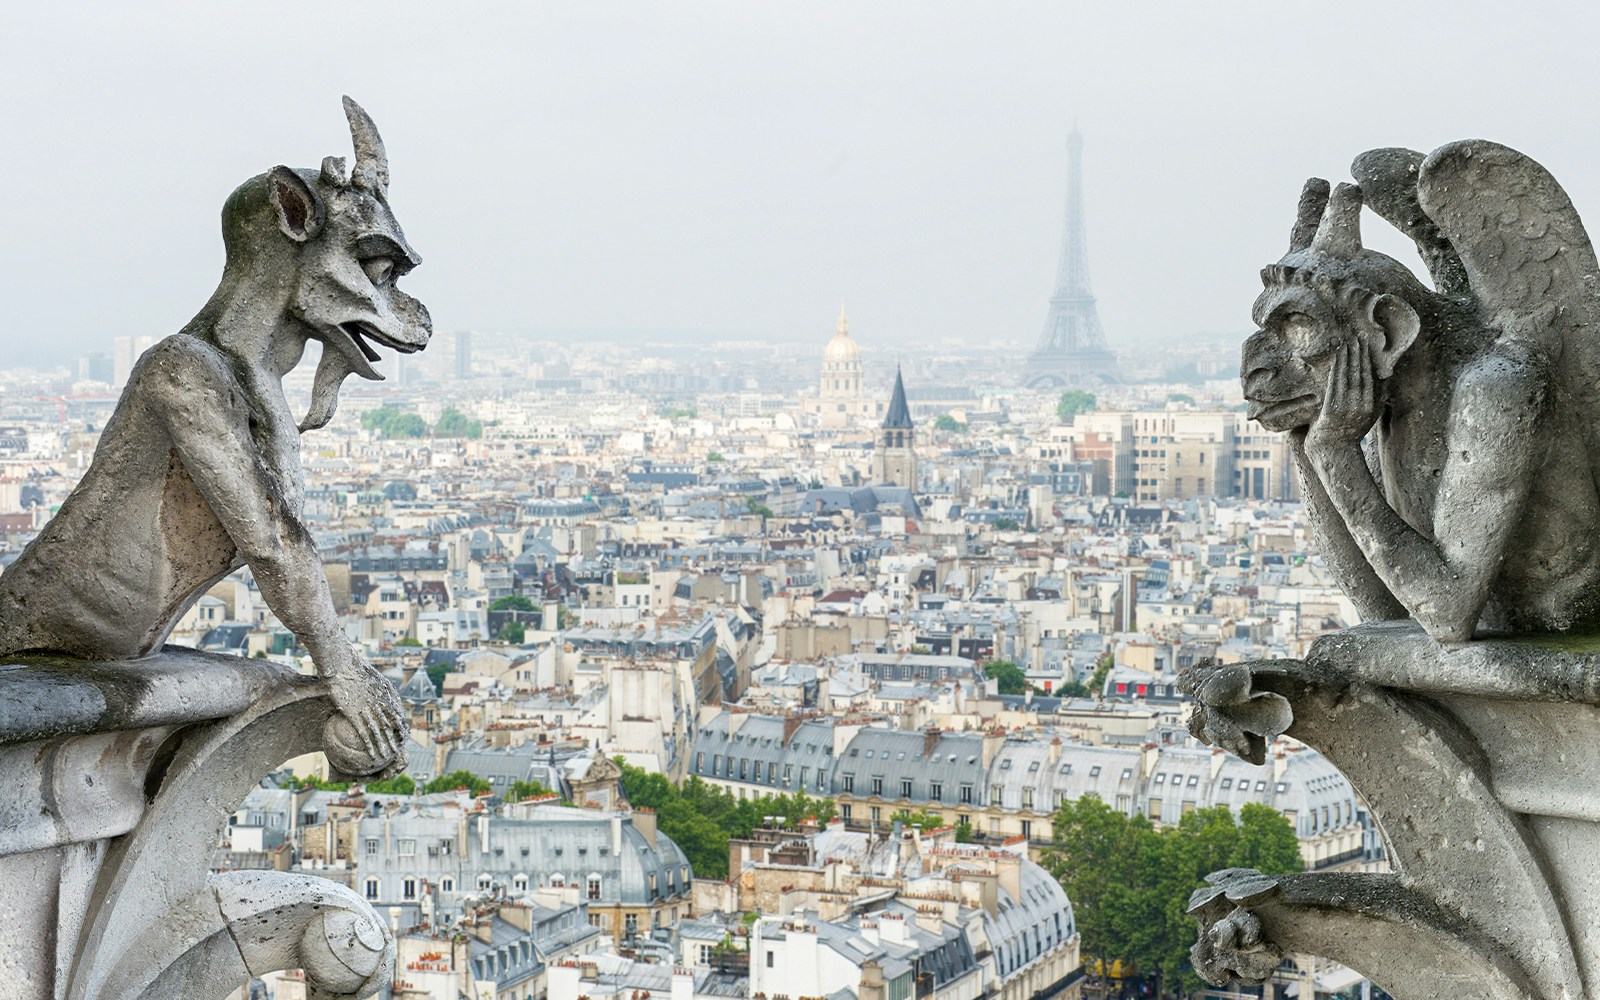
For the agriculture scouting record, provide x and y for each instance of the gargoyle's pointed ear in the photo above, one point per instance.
(300, 211)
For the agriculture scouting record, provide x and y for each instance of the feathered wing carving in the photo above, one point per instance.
(1529, 261)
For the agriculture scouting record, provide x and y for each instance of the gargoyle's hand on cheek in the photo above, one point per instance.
(1350, 406)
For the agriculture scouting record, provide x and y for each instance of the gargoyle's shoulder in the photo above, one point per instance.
(180, 367)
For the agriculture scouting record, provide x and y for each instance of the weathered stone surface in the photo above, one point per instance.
(120, 760)
(1478, 509)
(1486, 801)
(197, 472)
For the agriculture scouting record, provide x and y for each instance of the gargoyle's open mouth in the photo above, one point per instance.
(355, 340)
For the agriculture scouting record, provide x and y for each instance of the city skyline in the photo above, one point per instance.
(629, 170)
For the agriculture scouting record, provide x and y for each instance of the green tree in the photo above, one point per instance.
(1072, 689)
(1102, 670)
(1180, 397)
(318, 783)
(1074, 402)
(919, 818)
(511, 602)
(945, 422)
(457, 779)
(408, 641)
(400, 784)
(713, 457)
(1008, 677)
(1005, 524)
(964, 832)
(436, 675)
(758, 508)
(521, 789)
(1266, 842)
(392, 422)
(453, 423)
(513, 632)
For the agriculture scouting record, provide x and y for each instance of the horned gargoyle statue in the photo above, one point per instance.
(198, 470)
(1449, 458)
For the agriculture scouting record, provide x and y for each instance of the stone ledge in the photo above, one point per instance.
(46, 697)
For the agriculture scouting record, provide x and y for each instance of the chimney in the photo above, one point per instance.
(1055, 749)
(791, 725)
(1009, 869)
(892, 928)
(872, 985)
(682, 983)
(930, 739)
(644, 820)
(565, 980)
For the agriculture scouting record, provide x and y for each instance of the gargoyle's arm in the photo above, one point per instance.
(1349, 564)
(1496, 414)
(194, 396)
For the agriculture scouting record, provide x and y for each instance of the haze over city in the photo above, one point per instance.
(727, 170)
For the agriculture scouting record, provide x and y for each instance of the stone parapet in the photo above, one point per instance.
(1478, 761)
(116, 783)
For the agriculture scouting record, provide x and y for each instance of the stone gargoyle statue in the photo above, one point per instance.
(1448, 443)
(198, 470)
(122, 759)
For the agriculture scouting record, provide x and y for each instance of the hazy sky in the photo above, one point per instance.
(739, 168)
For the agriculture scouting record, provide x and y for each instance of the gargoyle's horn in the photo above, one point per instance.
(1339, 235)
(1313, 199)
(372, 163)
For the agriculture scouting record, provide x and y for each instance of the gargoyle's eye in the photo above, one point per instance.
(379, 269)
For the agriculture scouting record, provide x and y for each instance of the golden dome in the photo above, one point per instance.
(842, 347)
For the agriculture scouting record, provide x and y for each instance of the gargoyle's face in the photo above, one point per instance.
(1287, 361)
(345, 283)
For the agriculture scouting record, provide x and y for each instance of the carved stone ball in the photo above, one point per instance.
(344, 952)
(345, 749)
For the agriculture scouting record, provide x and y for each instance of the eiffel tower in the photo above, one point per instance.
(1072, 348)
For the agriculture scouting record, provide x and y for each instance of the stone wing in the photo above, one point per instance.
(1529, 262)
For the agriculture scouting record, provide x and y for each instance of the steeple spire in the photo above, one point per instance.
(899, 415)
(844, 324)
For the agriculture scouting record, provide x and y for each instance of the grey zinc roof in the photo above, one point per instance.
(897, 755)
(755, 749)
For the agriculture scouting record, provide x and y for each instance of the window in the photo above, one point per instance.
(744, 768)
(1282, 787)
(630, 924)
(408, 847)
(447, 884)
(520, 883)
(788, 774)
(372, 845)
(372, 888)
(849, 782)
(1027, 829)
(408, 889)
(1155, 809)
(716, 764)
(966, 793)
(1005, 765)
(705, 954)
(1033, 767)
(594, 887)
(1027, 799)
(1194, 779)
(996, 793)
(805, 772)
(844, 811)
(1094, 772)
(700, 761)
(877, 785)
(483, 882)
(769, 959)
(1127, 773)
(875, 815)
(936, 792)
(905, 788)
(447, 845)
(1161, 779)
(1261, 786)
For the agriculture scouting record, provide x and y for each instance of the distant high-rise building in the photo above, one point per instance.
(896, 456)
(96, 366)
(1072, 348)
(463, 354)
(126, 351)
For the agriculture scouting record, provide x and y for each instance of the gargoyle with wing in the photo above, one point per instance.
(198, 470)
(1475, 508)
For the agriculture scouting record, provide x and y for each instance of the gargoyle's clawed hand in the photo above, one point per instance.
(368, 735)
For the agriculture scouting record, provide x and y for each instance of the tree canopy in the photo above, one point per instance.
(1074, 402)
(945, 422)
(701, 818)
(455, 424)
(458, 779)
(511, 602)
(1007, 676)
(392, 422)
(1130, 883)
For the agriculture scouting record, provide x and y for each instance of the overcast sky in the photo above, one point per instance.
(740, 168)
